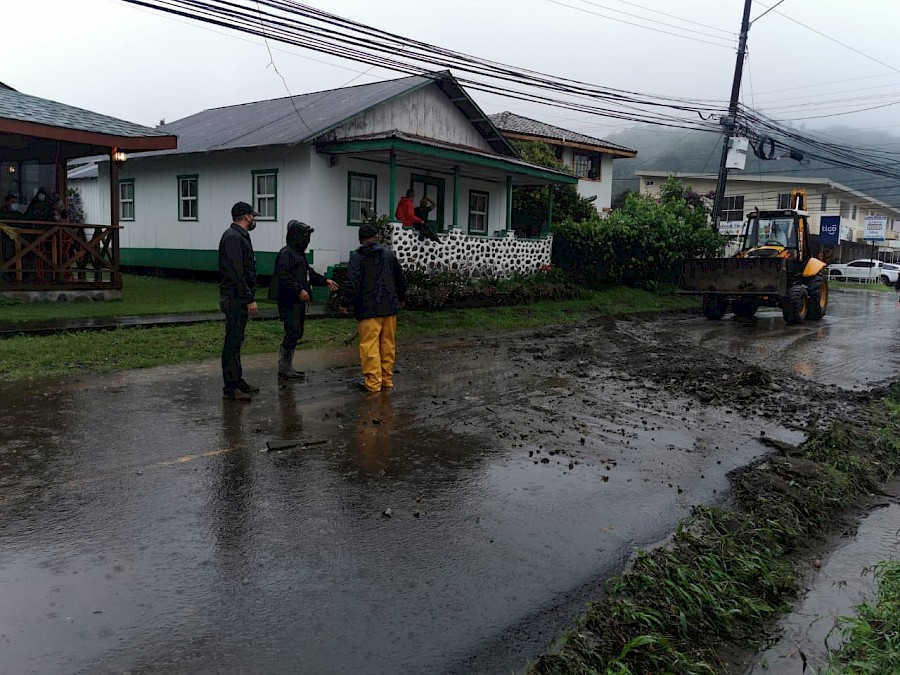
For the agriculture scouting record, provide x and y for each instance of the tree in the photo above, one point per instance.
(530, 203)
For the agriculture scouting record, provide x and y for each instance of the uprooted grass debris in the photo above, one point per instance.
(727, 573)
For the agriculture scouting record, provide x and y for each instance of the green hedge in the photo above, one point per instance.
(642, 244)
(452, 291)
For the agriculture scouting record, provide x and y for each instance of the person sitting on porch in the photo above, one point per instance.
(406, 214)
(425, 231)
(10, 208)
(42, 206)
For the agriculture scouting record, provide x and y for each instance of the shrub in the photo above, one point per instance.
(641, 244)
(452, 291)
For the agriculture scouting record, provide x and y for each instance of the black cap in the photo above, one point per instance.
(367, 231)
(303, 227)
(242, 209)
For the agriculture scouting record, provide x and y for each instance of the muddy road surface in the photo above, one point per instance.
(452, 526)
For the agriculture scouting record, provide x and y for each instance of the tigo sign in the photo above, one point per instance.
(829, 230)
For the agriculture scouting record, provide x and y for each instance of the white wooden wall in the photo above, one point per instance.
(93, 193)
(427, 113)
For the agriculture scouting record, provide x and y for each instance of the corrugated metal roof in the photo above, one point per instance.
(507, 121)
(14, 105)
(307, 117)
(283, 121)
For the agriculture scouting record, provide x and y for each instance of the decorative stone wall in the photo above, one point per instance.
(500, 257)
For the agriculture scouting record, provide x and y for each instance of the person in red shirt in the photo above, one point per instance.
(406, 214)
(406, 210)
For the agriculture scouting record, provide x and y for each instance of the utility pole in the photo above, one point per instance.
(730, 121)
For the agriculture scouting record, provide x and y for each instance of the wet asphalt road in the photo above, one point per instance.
(143, 530)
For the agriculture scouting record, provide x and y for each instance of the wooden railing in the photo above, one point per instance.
(51, 256)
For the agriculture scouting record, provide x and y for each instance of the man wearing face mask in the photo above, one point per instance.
(41, 206)
(294, 278)
(10, 208)
(237, 297)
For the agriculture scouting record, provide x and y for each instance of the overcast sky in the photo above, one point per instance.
(143, 66)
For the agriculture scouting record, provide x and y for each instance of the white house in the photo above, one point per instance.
(323, 158)
(824, 197)
(591, 159)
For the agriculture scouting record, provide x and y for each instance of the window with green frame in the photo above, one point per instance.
(126, 199)
(187, 197)
(360, 196)
(478, 212)
(265, 193)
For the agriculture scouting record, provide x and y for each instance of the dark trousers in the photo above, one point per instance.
(236, 317)
(292, 316)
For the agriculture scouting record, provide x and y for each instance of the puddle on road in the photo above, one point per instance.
(841, 584)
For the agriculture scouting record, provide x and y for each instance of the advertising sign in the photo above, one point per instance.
(875, 228)
(829, 230)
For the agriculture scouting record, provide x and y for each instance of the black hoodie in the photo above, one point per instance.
(375, 282)
(292, 270)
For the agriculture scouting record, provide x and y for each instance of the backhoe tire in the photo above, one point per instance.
(795, 306)
(818, 298)
(714, 307)
(745, 309)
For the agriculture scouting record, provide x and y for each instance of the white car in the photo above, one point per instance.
(865, 270)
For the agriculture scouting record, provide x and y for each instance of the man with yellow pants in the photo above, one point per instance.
(375, 289)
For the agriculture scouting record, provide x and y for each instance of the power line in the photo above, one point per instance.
(678, 18)
(362, 43)
(637, 16)
(836, 41)
(277, 72)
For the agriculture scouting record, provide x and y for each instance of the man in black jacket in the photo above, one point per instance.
(376, 287)
(237, 297)
(294, 277)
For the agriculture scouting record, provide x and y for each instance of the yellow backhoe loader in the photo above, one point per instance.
(774, 268)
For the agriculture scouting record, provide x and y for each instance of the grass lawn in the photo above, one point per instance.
(86, 352)
(141, 296)
(856, 286)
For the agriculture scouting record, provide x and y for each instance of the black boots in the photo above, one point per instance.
(286, 366)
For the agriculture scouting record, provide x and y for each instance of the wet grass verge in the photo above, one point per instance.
(870, 639)
(87, 352)
(727, 574)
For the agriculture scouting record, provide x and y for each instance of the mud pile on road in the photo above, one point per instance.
(738, 559)
(644, 354)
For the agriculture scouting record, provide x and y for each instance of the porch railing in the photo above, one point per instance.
(51, 256)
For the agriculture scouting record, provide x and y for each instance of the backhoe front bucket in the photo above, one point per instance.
(734, 276)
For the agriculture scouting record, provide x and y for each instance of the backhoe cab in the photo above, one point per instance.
(774, 268)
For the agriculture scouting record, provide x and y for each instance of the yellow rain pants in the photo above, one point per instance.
(378, 351)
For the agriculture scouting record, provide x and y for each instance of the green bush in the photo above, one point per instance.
(451, 291)
(642, 244)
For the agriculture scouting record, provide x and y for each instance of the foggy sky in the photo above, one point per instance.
(143, 66)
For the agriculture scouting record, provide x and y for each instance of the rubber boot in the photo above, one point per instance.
(285, 365)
